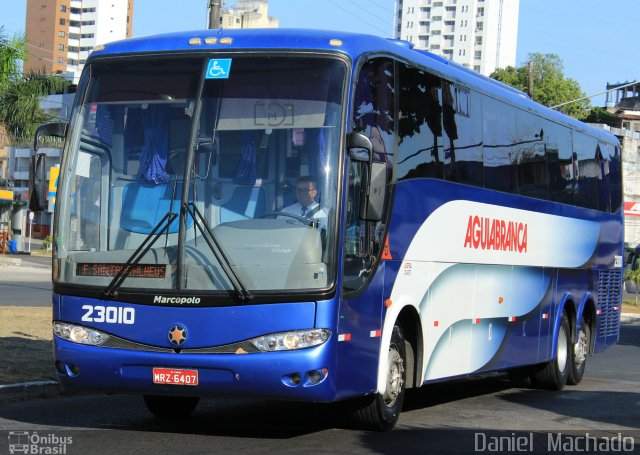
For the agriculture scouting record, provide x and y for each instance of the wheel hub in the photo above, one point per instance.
(395, 377)
(562, 350)
(580, 349)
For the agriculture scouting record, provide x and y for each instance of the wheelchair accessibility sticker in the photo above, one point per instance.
(219, 68)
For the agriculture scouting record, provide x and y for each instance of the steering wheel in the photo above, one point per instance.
(302, 219)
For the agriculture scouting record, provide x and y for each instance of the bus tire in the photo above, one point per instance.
(170, 407)
(380, 412)
(579, 354)
(553, 374)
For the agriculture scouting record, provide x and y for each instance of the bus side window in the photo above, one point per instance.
(419, 125)
(374, 115)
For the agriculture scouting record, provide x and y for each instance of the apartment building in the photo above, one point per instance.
(62, 33)
(479, 34)
(248, 14)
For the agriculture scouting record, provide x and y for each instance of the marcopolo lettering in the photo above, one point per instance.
(494, 234)
(176, 300)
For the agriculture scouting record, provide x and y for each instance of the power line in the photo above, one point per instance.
(382, 7)
(369, 13)
(597, 94)
(27, 52)
(359, 18)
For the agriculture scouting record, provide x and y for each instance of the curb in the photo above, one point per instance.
(629, 317)
(25, 391)
(27, 384)
(4, 260)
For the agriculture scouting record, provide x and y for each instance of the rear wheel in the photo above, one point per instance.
(170, 407)
(381, 411)
(553, 375)
(579, 354)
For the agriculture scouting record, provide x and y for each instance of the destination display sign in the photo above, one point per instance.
(110, 269)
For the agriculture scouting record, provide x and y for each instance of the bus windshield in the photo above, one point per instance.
(171, 156)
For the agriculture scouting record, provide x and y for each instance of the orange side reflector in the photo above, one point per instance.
(386, 252)
(388, 303)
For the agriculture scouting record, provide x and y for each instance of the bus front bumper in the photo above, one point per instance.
(300, 375)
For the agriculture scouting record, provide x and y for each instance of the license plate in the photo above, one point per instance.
(175, 377)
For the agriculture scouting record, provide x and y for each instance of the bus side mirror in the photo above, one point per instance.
(38, 182)
(56, 129)
(359, 147)
(375, 191)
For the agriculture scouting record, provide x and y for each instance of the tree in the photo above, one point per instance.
(20, 95)
(11, 52)
(549, 85)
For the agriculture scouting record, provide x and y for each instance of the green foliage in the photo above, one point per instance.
(20, 95)
(11, 52)
(46, 242)
(20, 102)
(550, 86)
(601, 115)
(633, 275)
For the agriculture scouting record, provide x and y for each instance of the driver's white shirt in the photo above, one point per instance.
(320, 215)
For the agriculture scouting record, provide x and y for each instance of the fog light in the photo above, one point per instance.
(72, 370)
(317, 376)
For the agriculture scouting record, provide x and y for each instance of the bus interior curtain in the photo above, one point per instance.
(153, 159)
(246, 172)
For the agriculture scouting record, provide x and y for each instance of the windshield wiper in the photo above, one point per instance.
(138, 254)
(198, 220)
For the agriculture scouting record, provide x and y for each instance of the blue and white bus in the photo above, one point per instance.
(459, 229)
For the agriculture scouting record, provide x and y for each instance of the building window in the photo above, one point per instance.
(476, 68)
(63, 21)
(63, 9)
(60, 47)
(477, 55)
(478, 40)
(61, 34)
(59, 59)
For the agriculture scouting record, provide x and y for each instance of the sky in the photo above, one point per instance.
(595, 39)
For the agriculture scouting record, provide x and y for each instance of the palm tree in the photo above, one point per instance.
(20, 94)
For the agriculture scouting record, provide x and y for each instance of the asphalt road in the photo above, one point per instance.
(28, 285)
(454, 417)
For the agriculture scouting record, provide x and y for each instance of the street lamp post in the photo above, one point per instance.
(30, 228)
(214, 13)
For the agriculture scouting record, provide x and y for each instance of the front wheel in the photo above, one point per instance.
(380, 412)
(170, 407)
(553, 374)
(579, 354)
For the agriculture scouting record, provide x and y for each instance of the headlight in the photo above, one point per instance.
(286, 341)
(79, 334)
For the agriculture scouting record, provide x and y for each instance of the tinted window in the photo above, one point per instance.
(499, 132)
(557, 140)
(529, 146)
(374, 115)
(462, 126)
(615, 169)
(419, 125)
(604, 178)
(585, 149)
